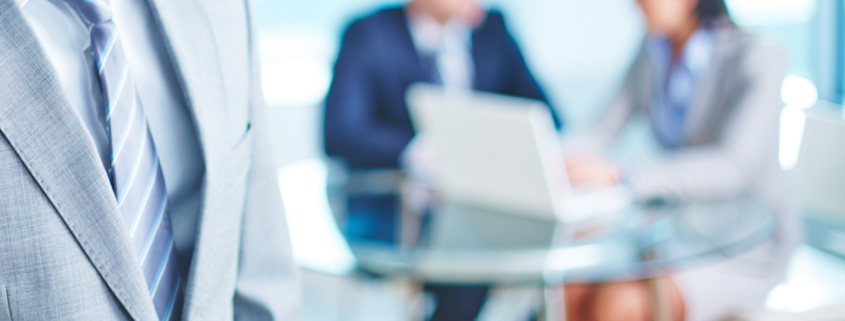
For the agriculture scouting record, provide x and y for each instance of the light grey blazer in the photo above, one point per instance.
(64, 252)
(732, 130)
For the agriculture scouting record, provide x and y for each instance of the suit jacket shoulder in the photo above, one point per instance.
(369, 27)
(494, 23)
(745, 53)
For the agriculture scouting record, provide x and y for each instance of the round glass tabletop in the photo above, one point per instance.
(464, 245)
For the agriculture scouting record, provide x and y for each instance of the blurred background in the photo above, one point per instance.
(579, 51)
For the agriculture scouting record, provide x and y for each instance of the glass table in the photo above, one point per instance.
(459, 244)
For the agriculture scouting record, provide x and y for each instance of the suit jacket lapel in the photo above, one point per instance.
(200, 39)
(399, 33)
(704, 96)
(186, 31)
(51, 141)
(481, 55)
(708, 92)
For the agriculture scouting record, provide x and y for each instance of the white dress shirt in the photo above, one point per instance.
(450, 43)
(676, 81)
(64, 37)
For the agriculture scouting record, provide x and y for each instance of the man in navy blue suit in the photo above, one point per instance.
(450, 42)
(366, 120)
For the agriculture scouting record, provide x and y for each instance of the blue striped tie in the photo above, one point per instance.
(135, 173)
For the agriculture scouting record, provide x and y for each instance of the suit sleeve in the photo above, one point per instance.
(520, 80)
(351, 127)
(268, 284)
(747, 143)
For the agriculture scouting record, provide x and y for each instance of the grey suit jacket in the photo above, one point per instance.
(732, 125)
(732, 130)
(64, 252)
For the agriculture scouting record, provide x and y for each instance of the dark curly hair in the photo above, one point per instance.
(711, 9)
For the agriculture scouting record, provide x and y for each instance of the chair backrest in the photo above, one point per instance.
(820, 168)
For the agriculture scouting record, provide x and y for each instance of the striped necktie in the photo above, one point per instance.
(428, 61)
(135, 173)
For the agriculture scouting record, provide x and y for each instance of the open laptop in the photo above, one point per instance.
(502, 153)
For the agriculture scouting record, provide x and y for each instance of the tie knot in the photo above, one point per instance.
(93, 11)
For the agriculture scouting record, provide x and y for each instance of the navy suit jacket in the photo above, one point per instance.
(366, 120)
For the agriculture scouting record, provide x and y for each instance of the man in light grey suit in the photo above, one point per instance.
(136, 177)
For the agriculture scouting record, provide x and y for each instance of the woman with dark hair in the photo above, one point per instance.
(712, 94)
(711, 9)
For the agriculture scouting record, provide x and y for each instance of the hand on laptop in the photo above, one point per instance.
(417, 160)
(592, 171)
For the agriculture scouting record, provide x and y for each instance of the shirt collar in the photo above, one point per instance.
(429, 35)
(697, 52)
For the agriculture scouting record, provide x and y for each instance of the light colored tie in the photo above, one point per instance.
(135, 172)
